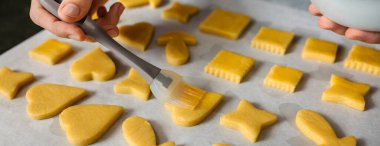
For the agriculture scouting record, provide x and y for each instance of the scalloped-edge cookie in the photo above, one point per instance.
(364, 59)
(272, 40)
(230, 66)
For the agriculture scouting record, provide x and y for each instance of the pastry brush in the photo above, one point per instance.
(164, 84)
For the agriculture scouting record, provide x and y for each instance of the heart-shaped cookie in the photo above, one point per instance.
(84, 124)
(134, 84)
(137, 36)
(95, 65)
(48, 100)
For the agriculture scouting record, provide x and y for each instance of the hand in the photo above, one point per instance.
(75, 10)
(351, 33)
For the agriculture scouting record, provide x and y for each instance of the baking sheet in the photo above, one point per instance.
(16, 128)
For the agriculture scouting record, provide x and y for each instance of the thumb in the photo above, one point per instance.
(74, 10)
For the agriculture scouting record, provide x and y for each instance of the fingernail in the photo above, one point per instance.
(120, 8)
(112, 33)
(71, 10)
(74, 37)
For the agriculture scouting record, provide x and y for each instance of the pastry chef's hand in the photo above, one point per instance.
(351, 33)
(75, 10)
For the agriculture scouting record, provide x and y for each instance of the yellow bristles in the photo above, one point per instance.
(186, 96)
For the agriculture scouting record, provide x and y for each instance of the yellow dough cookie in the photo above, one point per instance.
(225, 24)
(346, 92)
(11, 82)
(188, 117)
(176, 50)
(95, 65)
(272, 40)
(283, 78)
(169, 143)
(137, 36)
(317, 129)
(220, 144)
(248, 120)
(155, 3)
(85, 124)
(230, 66)
(319, 50)
(364, 59)
(134, 3)
(179, 12)
(48, 100)
(138, 132)
(51, 51)
(134, 84)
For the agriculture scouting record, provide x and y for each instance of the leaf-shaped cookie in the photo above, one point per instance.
(48, 100)
(138, 132)
(137, 36)
(95, 65)
(84, 124)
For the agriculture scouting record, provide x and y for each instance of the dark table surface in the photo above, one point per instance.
(15, 24)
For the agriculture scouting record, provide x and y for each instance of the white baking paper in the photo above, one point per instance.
(16, 128)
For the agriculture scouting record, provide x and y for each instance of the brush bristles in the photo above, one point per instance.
(186, 96)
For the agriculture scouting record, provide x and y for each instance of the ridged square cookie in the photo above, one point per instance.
(230, 66)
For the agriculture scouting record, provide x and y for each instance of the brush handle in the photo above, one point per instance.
(91, 28)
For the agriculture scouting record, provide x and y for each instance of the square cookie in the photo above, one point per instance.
(319, 50)
(225, 24)
(230, 66)
(283, 78)
(272, 40)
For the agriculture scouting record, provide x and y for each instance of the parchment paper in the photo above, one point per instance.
(16, 128)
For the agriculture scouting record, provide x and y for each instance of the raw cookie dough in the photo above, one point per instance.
(346, 92)
(319, 50)
(169, 143)
(176, 50)
(134, 84)
(272, 40)
(137, 36)
(179, 12)
(283, 78)
(138, 3)
(225, 24)
(230, 66)
(138, 132)
(220, 144)
(95, 65)
(48, 100)
(11, 82)
(51, 51)
(317, 129)
(85, 124)
(248, 120)
(155, 3)
(364, 59)
(187, 117)
(134, 3)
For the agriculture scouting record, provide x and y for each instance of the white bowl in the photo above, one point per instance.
(360, 14)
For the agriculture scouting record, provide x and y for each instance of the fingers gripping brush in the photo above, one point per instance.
(165, 85)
